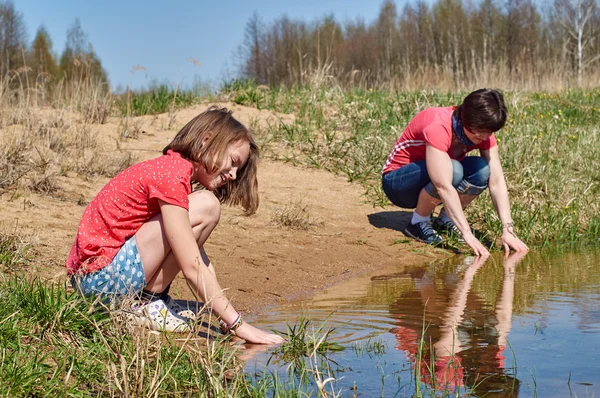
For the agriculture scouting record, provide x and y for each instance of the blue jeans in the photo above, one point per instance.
(403, 186)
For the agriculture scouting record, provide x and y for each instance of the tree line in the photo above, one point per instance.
(445, 43)
(35, 66)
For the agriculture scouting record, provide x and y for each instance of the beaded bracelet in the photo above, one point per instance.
(508, 225)
(234, 326)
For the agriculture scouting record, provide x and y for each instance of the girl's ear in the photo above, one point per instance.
(206, 138)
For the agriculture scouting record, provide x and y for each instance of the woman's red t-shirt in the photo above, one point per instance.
(431, 126)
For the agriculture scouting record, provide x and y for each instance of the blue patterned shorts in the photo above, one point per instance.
(123, 276)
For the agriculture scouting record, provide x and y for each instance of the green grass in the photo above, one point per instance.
(160, 99)
(302, 342)
(550, 149)
(369, 347)
(54, 343)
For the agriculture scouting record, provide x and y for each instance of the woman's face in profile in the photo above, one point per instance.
(477, 137)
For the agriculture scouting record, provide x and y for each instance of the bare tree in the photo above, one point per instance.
(253, 48)
(433, 42)
(415, 31)
(359, 47)
(386, 32)
(450, 21)
(575, 16)
(522, 38)
(330, 37)
(13, 36)
(487, 25)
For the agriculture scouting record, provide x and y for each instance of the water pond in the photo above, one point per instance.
(504, 327)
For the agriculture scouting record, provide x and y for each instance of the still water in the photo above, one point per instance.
(515, 327)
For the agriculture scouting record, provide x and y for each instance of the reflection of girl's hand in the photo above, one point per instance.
(479, 261)
(511, 261)
(247, 351)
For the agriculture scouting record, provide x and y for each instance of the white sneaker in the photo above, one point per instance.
(156, 315)
(185, 312)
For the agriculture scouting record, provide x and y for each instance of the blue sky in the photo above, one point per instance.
(163, 36)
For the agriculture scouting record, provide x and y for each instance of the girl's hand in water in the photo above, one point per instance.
(257, 336)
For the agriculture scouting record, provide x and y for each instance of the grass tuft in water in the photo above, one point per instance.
(369, 347)
(302, 342)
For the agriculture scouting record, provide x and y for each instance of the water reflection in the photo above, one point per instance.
(463, 326)
(466, 340)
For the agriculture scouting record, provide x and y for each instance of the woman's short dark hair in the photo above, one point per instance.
(483, 110)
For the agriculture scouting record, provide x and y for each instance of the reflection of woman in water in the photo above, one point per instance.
(454, 355)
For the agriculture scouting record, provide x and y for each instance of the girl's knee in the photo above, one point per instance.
(204, 208)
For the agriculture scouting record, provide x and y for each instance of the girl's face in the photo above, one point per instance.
(235, 157)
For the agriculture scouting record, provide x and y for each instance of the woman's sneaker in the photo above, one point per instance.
(156, 315)
(448, 228)
(424, 232)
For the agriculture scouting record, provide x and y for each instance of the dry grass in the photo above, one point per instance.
(552, 78)
(38, 143)
(15, 249)
(295, 215)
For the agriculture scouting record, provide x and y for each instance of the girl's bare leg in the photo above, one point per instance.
(160, 264)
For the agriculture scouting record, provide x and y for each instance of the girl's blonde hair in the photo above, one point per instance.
(205, 138)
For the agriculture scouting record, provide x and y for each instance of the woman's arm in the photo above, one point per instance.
(499, 194)
(439, 168)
